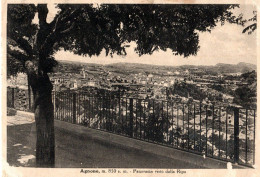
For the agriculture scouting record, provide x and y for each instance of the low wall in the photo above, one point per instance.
(21, 99)
(134, 144)
(129, 143)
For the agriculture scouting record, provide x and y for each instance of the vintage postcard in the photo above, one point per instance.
(122, 88)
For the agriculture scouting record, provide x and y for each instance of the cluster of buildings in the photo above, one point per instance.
(153, 85)
(142, 84)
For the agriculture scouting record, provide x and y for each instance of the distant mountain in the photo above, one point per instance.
(240, 67)
(78, 63)
(148, 68)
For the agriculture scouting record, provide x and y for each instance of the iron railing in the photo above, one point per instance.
(225, 133)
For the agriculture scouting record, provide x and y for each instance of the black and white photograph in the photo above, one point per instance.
(150, 88)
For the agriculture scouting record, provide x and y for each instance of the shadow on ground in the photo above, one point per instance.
(75, 151)
(21, 145)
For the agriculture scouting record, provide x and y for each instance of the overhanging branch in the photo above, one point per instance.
(22, 43)
(18, 55)
(42, 14)
(68, 29)
(59, 26)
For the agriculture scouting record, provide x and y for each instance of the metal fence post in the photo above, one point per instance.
(131, 118)
(74, 108)
(29, 96)
(13, 97)
(236, 135)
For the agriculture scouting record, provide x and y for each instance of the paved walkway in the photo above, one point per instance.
(76, 152)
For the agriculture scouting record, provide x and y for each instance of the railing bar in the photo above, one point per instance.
(110, 114)
(200, 149)
(81, 106)
(177, 111)
(66, 103)
(167, 142)
(106, 113)
(148, 118)
(212, 133)
(75, 106)
(73, 103)
(254, 141)
(97, 111)
(60, 106)
(13, 97)
(125, 112)
(172, 137)
(114, 115)
(145, 110)
(140, 116)
(226, 131)
(136, 112)
(183, 109)
(219, 131)
(63, 116)
(84, 104)
(194, 127)
(188, 127)
(76, 95)
(236, 135)
(105, 109)
(162, 123)
(54, 104)
(206, 151)
(57, 104)
(157, 115)
(93, 108)
(101, 112)
(246, 133)
(89, 112)
(153, 119)
(167, 124)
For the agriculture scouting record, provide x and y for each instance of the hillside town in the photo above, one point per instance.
(198, 88)
(192, 84)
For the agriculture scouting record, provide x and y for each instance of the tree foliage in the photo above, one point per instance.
(246, 95)
(252, 27)
(183, 89)
(86, 30)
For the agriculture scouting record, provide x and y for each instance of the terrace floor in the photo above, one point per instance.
(73, 151)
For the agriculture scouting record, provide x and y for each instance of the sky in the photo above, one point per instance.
(225, 44)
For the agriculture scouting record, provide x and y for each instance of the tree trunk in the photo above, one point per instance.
(44, 118)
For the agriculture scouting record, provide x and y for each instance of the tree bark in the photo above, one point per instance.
(44, 118)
